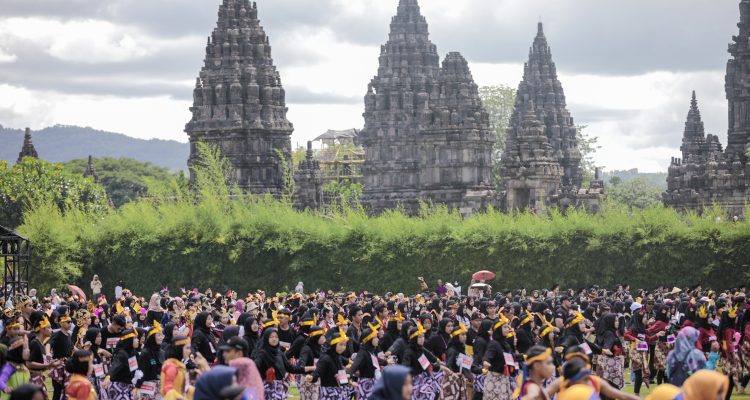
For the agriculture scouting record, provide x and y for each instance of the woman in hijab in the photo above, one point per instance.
(155, 312)
(309, 354)
(454, 385)
(438, 343)
(366, 363)
(611, 363)
(210, 384)
(422, 363)
(401, 343)
(524, 331)
(252, 334)
(497, 385)
(149, 362)
(392, 333)
(119, 382)
(274, 366)
(248, 376)
(170, 330)
(659, 330)
(637, 336)
(395, 384)
(705, 385)
(203, 341)
(174, 377)
(685, 359)
(334, 380)
(480, 348)
(92, 341)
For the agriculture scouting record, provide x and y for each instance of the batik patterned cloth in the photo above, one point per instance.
(454, 387)
(309, 390)
(479, 381)
(427, 386)
(39, 380)
(638, 361)
(336, 393)
(612, 369)
(661, 353)
(58, 374)
(365, 387)
(276, 390)
(120, 391)
(497, 387)
(745, 354)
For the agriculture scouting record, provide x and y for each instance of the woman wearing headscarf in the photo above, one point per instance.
(92, 341)
(392, 333)
(309, 355)
(395, 384)
(524, 331)
(119, 381)
(251, 326)
(169, 331)
(174, 377)
(637, 336)
(80, 366)
(211, 383)
(661, 350)
(366, 364)
(274, 366)
(455, 384)
(335, 382)
(248, 376)
(480, 348)
(203, 341)
(422, 364)
(497, 386)
(155, 311)
(685, 359)
(149, 362)
(705, 385)
(438, 343)
(398, 347)
(611, 363)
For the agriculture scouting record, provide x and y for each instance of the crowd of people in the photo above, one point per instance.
(438, 344)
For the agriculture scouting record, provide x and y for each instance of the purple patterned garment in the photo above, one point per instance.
(335, 393)
(427, 386)
(277, 390)
(364, 388)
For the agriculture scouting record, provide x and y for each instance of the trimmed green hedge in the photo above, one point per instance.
(263, 244)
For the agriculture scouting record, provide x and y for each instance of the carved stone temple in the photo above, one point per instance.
(706, 174)
(28, 149)
(239, 102)
(426, 135)
(541, 165)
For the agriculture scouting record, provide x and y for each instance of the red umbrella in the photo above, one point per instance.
(483, 276)
(76, 290)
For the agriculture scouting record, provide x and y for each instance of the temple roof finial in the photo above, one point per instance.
(540, 27)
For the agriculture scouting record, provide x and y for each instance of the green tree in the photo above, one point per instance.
(499, 101)
(635, 193)
(124, 179)
(587, 145)
(34, 182)
(615, 180)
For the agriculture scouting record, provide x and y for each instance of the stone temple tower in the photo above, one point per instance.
(426, 134)
(28, 149)
(239, 103)
(541, 93)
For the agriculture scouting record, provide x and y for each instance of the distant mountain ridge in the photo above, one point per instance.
(61, 143)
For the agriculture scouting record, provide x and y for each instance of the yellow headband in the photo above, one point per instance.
(317, 333)
(540, 357)
(501, 322)
(459, 331)
(128, 336)
(341, 321)
(156, 329)
(375, 329)
(575, 320)
(526, 320)
(43, 324)
(341, 338)
(64, 319)
(274, 321)
(398, 317)
(182, 342)
(420, 331)
(13, 324)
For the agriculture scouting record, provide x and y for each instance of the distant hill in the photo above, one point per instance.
(657, 178)
(61, 143)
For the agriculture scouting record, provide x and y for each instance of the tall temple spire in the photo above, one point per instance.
(694, 138)
(541, 86)
(239, 104)
(28, 149)
(737, 94)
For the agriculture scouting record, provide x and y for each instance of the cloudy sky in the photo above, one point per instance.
(128, 66)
